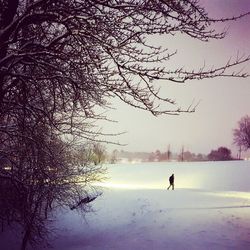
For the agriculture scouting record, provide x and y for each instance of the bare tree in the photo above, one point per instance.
(242, 134)
(99, 153)
(113, 157)
(40, 175)
(169, 153)
(181, 155)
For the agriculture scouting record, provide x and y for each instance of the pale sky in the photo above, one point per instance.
(223, 101)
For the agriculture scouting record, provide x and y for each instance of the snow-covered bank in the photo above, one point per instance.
(212, 212)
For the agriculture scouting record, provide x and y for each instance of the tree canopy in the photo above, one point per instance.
(242, 133)
(221, 154)
(66, 57)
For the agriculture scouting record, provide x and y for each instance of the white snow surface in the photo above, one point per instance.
(209, 209)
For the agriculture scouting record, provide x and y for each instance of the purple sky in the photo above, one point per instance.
(223, 100)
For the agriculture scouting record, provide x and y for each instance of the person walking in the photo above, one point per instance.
(171, 182)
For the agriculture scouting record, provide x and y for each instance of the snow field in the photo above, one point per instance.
(210, 212)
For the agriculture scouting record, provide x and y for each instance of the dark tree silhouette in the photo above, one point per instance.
(181, 155)
(242, 133)
(221, 154)
(169, 153)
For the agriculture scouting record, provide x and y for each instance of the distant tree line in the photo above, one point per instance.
(184, 155)
(220, 154)
(241, 138)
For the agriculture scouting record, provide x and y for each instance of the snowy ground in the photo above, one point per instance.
(210, 209)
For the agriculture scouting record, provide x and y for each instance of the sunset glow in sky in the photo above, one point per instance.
(223, 101)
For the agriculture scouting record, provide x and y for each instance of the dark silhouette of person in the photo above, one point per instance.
(171, 182)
